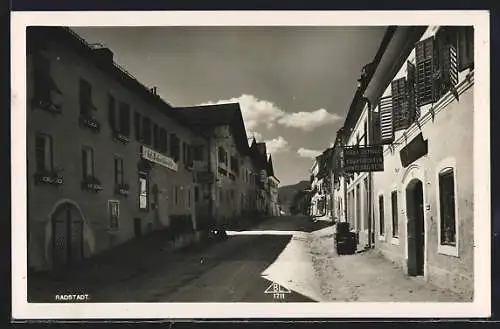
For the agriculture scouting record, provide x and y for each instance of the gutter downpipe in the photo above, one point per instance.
(370, 176)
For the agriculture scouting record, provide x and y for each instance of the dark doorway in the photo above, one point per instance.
(67, 236)
(416, 232)
(137, 227)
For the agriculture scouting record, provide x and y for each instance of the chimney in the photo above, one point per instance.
(154, 90)
(105, 54)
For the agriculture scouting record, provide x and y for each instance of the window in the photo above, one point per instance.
(43, 83)
(447, 208)
(381, 215)
(196, 194)
(87, 162)
(112, 113)
(137, 122)
(118, 171)
(86, 106)
(234, 165)
(114, 214)
(222, 155)
(184, 153)
(189, 197)
(365, 134)
(156, 137)
(394, 203)
(44, 153)
(163, 140)
(176, 195)
(143, 191)
(174, 147)
(146, 130)
(124, 119)
(424, 58)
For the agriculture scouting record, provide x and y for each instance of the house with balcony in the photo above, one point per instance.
(107, 159)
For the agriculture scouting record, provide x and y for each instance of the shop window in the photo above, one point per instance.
(381, 215)
(44, 153)
(395, 224)
(143, 191)
(114, 214)
(448, 235)
(87, 162)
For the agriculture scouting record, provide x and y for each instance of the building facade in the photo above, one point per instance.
(105, 161)
(423, 200)
(109, 160)
(415, 100)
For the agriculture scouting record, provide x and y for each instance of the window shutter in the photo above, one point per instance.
(376, 128)
(465, 47)
(400, 104)
(386, 124)
(447, 73)
(411, 76)
(424, 58)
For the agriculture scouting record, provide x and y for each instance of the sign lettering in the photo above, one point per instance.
(363, 159)
(159, 158)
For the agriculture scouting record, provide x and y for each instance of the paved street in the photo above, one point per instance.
(294, 252)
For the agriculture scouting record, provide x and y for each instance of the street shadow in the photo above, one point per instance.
(254, 254)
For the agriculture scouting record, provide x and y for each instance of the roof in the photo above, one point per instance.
(358, 102)
(207, 117)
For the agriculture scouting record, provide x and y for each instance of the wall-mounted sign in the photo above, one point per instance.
(413, 151)
(363, 158)
(156, 157)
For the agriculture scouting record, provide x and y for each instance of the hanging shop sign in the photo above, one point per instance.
(413, 151)
(156, 157)
(363, 158)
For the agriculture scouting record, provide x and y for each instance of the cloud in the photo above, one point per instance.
(308, 153)
(309, 120)
(257, 112)
(251, 133)
(277, 145)
(254, 111)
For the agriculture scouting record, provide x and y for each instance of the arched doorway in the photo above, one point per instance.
(415, 227)
(67, 235)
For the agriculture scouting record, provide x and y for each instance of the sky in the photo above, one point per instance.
(294, 84)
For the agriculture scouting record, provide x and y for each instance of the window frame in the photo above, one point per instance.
(119, 160)
(48, 168)
(110, 218)
(381, 216)
(395, 217)
(89, 150)
(85, 111)
(444, 166)
(145, 176)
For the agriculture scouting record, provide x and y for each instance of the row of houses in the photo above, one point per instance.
(109, 160)
(410, 194)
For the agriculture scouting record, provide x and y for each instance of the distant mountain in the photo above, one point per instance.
(286, 193)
